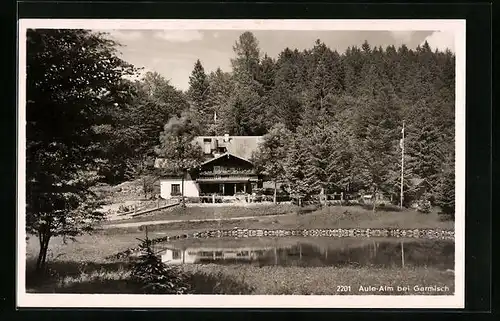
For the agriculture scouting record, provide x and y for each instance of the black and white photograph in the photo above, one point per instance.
(241, 163)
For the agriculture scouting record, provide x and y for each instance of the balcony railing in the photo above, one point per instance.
(232, 172)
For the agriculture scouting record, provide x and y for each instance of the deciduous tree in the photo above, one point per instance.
(179, 153)
(75, 83)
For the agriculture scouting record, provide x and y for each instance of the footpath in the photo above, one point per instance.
(157, 222)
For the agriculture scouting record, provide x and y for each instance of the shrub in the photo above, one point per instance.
(124, 209)
(154, 275)
(424, 206)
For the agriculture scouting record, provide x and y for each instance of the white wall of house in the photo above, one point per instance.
(191, 188)
(171, 256)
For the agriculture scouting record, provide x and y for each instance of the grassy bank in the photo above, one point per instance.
(276, 280)
(328, 217)
(92, 248)
(224, 212)
(114, 277)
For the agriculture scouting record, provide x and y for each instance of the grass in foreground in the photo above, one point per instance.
(246, 279)
(116, 278)
(276, 280)
(92, 248)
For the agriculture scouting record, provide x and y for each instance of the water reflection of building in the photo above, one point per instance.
(434, 253)
(199, 254)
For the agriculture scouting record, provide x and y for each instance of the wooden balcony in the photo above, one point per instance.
(228, 172)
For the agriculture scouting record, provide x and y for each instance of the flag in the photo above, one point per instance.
(401, 141)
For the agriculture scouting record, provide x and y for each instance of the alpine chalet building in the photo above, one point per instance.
(226, 172)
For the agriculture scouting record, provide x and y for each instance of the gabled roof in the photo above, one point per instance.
(241, 146)
(225, 155)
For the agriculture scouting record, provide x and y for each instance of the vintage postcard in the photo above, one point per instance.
(241, 163)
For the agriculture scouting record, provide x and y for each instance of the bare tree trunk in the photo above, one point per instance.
(40, 252)
(43, 239)
(275, 188)
(45, 250)
(402, 255)
(374, 200)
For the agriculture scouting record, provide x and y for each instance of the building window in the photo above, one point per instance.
(176, 189)
(222, 150)
(207, 145)
(176, 255)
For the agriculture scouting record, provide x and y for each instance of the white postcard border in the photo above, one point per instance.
(457, 27)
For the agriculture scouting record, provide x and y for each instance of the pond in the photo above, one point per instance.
(311, 252)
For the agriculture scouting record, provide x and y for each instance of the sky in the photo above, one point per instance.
(172, 53)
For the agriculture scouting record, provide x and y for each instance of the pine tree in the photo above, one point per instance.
(238, 125)
(285, 104)
(424, 144)
(352, 62)
(377, 157)
(154, 276)
(245, 65)
(295, 171)
(221, 89)
(445, 194)
(318, 169)
(366, 48)
(247, 106)
(198, 94)
(267, 73)
(271, 154)
(266, 80)
(328, 155)
(373, 82)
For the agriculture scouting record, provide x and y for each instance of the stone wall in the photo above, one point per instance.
(338, 232)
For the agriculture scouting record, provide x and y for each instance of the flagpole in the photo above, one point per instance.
(215, 122)
(402, 163)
